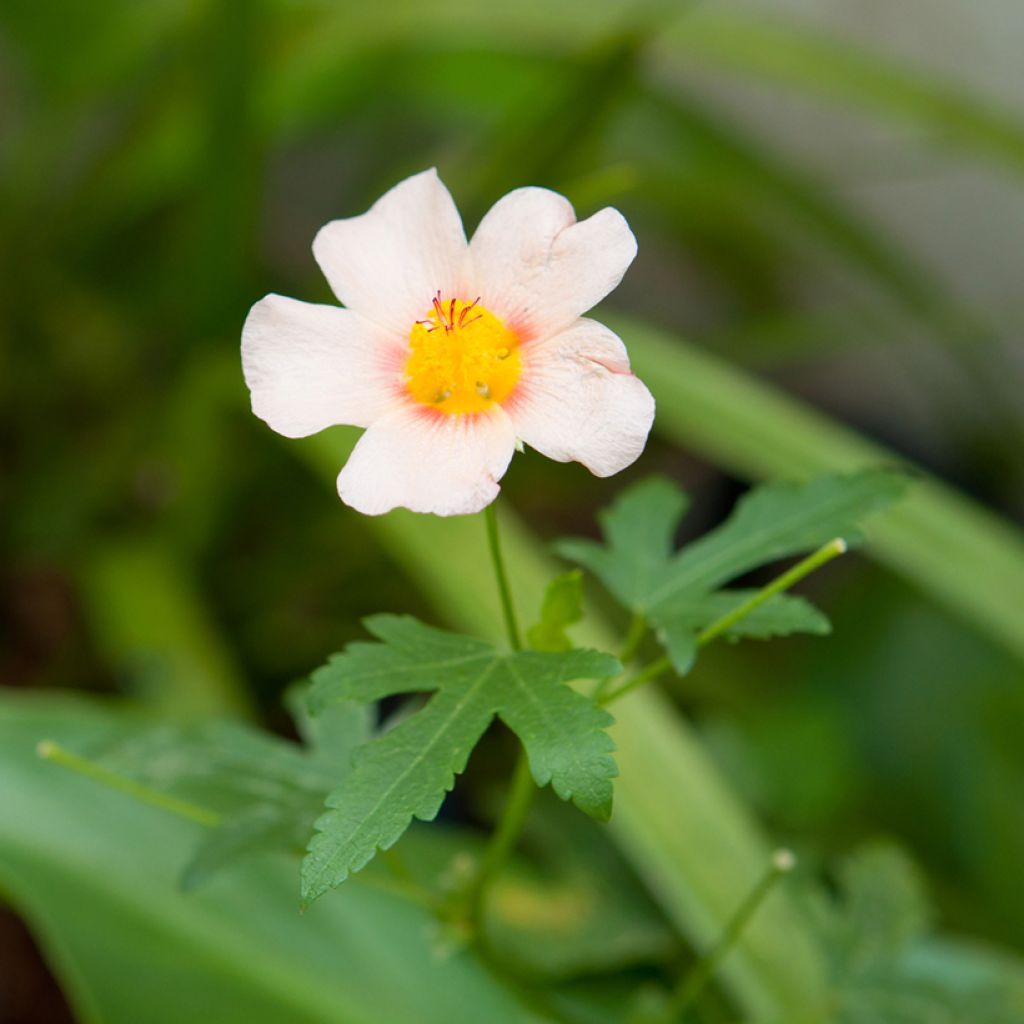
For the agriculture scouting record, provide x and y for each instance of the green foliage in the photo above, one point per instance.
(93, 874)
(266, 791)
(406, 772)
(945, 112)
(562, 607)
(677, 592)
(937, 538)
(876, 932)
(161, 156)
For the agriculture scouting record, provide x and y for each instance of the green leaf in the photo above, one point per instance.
(781, 615)
(269, 791)
(92, 872)
(260, 829)
(678, 593)
(333, 735)
(407, 771)
(881, 909)
(696, 859)
(949, 546)
(886, 967)
(562, 607)
(639, 528)
(226, 766)
(776, 521)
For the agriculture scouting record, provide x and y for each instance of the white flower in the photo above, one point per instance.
(450, 353)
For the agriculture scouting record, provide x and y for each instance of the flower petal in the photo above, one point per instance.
(309, 367)
(427, 461)
(388, 263)
(578, 401)
(538, 269)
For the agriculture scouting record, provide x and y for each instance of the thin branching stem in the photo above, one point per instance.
(51, 751)
(188, 811)
(722, 625)
(693, 983)
(823, 555)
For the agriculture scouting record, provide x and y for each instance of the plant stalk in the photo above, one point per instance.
(521, 789)
(693, 983)
(50, 751)
(824, 554)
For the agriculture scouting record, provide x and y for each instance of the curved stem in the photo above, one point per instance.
(693, 983)
(724, 623)
(645, 675)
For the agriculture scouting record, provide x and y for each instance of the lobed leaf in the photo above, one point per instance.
(563, 731)
(776, 521)
(406, 773)
(885, 963)
(403, 775)
(678, 593)
(639, 528)
(781, 615)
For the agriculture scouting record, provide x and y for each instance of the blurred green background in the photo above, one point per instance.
(829, 200)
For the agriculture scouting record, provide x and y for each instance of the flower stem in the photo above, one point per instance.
(824, 554)
(50, 751)
(503, 840)
(693, 983)
(521, 789)
(504, 590)
(645, 675)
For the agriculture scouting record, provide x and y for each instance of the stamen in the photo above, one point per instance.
(461, 372)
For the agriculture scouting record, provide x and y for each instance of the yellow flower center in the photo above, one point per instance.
(463, 358)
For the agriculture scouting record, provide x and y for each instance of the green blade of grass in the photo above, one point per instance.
(828, 67)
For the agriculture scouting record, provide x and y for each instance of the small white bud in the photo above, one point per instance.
(783, 860)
